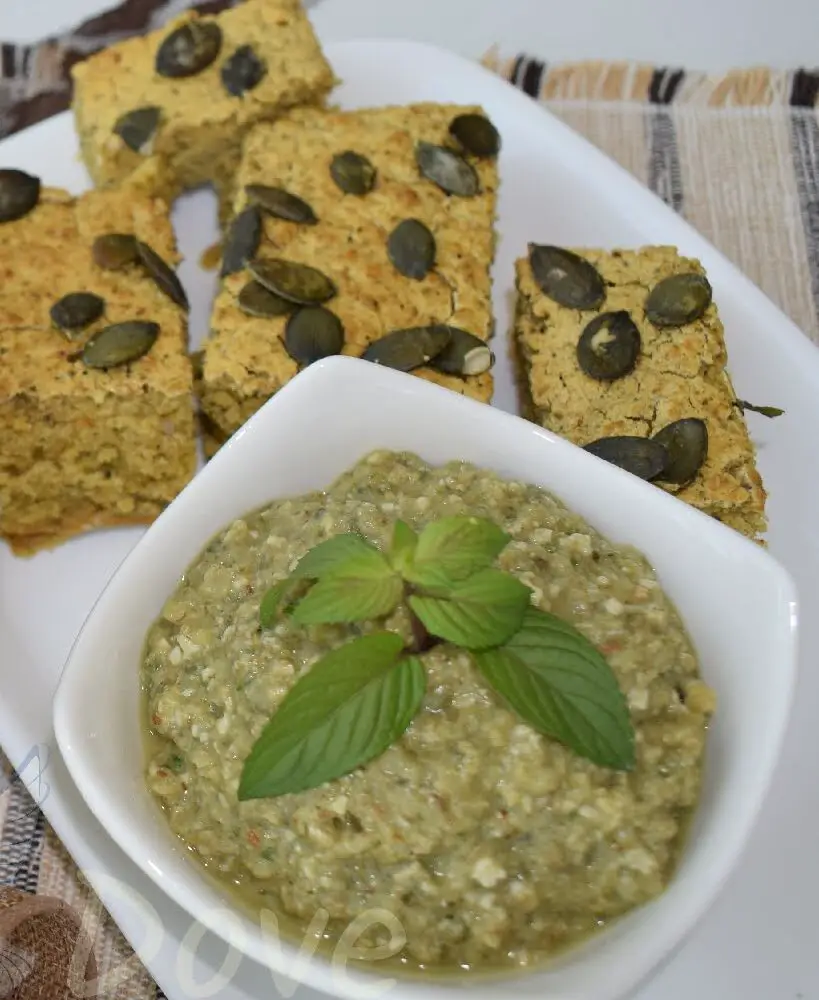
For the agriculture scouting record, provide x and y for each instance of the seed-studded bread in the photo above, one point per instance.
(86, 447)
(139, 120)
(352, 239)
(669, 373)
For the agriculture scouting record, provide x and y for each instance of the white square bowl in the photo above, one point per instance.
(737, 602)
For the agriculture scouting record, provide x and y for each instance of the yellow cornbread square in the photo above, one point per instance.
(245, 360)
(85, 448)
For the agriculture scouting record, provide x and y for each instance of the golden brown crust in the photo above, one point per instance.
(25, 546)
(245, 360)
(83, 448)
(202, 127)
(681, 373)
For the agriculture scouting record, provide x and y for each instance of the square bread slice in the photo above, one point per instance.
(680, 372)
(85, 447)
(346, 236)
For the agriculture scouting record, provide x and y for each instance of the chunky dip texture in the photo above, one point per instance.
(492, 846)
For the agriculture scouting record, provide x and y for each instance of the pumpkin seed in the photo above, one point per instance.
(686, 442)
(448, 169)
(211, 256)
(189, 49)
(643, 457)
(242, 240)
(411, 248)
(243, 71)
(352, 172)
(409, 348)
(565, 277)
(313, 333)
(476, 134)
(678, 299)
(137, 128)
(281, 204)
(197, 359)
(113, 251)
(256, 300)
(609, 346)
(299, 283)
(465, 354)
(19, 194)
(163, 275)
(119, 344)
(76, 311)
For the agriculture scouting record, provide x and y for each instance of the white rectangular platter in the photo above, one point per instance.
(760, 939)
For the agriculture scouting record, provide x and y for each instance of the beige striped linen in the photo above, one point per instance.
(737, 155)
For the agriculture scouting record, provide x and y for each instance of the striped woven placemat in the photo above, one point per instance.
(737, 154)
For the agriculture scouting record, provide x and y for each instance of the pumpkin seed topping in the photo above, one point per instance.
(119, 344)
(189, 49)
(281, 204)
(686, 442)
(643, 457)
(114, 251)
(162, 274)
(353, 173)
(678, 299)
(609, 346)
(137, 128)
(448, 169)
(76, 311)
(409, 348)
(465, 354)
(411, 248)
(476, 134)
(19, 194)
(241, 240)
(211, 256)
(566, 278)
(313, 333)
(197, 360)
(299, 283)
(243, 71)
(256, 300)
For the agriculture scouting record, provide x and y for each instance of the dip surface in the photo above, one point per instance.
(492, 846)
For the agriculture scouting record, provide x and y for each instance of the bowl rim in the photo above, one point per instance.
(315, 971)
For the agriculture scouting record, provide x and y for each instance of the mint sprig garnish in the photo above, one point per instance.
(562, 686)
(404, 546)
(348, 708)
(454, 547)
(766, 411)
(358, 699)
(483, 610)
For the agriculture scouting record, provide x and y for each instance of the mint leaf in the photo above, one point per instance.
(453, 548)
(355, 582)
(766, 411)
(402, 551)
(350, 707)
(340, 551)
(484, 610)
(348, 599)
(268, 609)
(559, 683)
